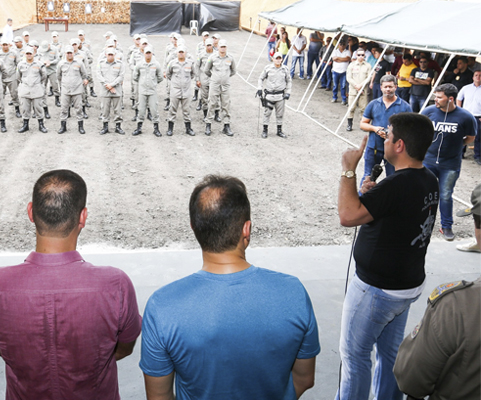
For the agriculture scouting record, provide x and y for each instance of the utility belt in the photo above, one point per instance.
(273, 92)
(269, 104)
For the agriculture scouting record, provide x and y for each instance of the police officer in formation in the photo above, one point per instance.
(180, 72)
(72, 78)
(220, 67)
(199, 50)
(49, 57)
(136, 58)
(110, 74)
(31, 74)
(278, 84)
(3, 127)
(10, 59)
(148, 74)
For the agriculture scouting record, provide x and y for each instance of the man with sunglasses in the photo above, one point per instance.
(357, 76)
(420, 80)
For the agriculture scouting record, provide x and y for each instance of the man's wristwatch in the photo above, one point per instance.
(348, 174)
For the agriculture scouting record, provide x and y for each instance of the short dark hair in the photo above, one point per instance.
(463, 59)
(416, 131)
(448, 89)
(218, 208)
(407, 56)
(388, 78)
(58, 198)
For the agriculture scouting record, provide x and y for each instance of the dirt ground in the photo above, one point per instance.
(139, 187)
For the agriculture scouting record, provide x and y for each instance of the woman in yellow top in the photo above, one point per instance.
(283, 46)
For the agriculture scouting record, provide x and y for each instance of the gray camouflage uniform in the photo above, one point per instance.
(31, 78)
(2, 98)
(113, 75)
(135, 59)
(219, 69)
(11, 59)
(70, 78)
(278, 82)
(148, 76)
(180, 75)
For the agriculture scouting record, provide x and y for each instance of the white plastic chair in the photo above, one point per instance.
(194, 27)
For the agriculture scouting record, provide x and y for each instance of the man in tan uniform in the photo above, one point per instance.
(31, 74)
(357, 76)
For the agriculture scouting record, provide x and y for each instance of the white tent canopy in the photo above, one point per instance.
(427, 24)
(329, 15)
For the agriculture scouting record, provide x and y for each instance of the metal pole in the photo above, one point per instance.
(263, 47)
(313, 90)
(437, 82)
(245, 48)
(320, 76)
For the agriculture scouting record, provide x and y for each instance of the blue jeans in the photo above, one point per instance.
(285, 59)
(326, 80)
(311, 57)
(447, 179)
(371, 158)
(270, 45)
(416, 102)
(370, 317)
(295, 58)
(376, 90)
(477, 139)
(403, 93)
(339, 80)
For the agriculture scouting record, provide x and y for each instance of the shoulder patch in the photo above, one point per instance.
(446, 288)
(416, 329)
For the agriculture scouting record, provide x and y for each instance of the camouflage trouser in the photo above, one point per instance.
(218, 92)
(13, 89)
(28, 104)
(174, 107)
(114, 103)
(150, 101)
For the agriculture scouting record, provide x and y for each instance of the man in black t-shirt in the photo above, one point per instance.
(383, 68)
(420, 79)
(397, 217)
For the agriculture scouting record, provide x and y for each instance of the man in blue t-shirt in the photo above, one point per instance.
(375, 121)
(454, 128)
(231, 330)
(397, 218)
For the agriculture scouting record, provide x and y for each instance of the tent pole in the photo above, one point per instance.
(359, 93)
(313, 90)
(331, 132)
(245, 48)
(437, 82)
(320, 76)
(263, 47)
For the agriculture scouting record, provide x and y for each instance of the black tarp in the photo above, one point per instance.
(155, 17)
(213, 15)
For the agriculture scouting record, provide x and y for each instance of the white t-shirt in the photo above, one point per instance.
(8, 33)
(299, 41)
(340, 67)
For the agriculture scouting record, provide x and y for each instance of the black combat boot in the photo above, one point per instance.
(138, 131)
(118, 129)
(81, 127)
(57, 101)
(47, 115)
(3, 128)
(188, 129)
(24, 128)
(149, 115)
(264, 132)
(41, 126)
(63, 127)
(87, 104)
(18, 114)
(217, 116)
(135, 116)
(156, 130)
(105, 129)
(280, 133)
(196, 93)
(68, 114)
(170, 130)
(199, 106)
(50, 94)
(227, 131)
(205, 115)
(133, 104)
(84, 114)
(167, 105)
(349, 124)
(208, 131)
(92, 92)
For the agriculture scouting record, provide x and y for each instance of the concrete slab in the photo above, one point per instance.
(322, 270)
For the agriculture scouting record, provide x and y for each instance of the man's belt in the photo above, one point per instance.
(273, 92)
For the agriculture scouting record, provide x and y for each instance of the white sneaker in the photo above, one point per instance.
(471, 246)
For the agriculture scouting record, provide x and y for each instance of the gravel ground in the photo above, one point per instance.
(139, 187)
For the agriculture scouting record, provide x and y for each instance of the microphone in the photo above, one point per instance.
(375, 172)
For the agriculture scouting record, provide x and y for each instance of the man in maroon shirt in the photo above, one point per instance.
(64, 323)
